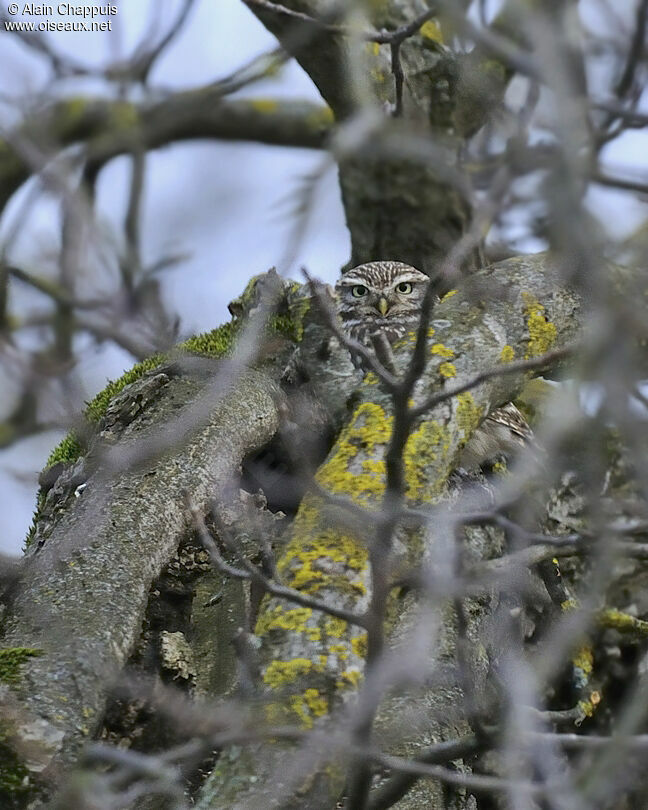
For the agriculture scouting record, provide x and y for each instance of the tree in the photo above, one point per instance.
(405, 634)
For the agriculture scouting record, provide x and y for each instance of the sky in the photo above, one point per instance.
(228, 206)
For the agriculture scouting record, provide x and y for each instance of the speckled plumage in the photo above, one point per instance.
(381, 301)
(362, 316)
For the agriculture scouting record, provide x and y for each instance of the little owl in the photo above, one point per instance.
(378, 303)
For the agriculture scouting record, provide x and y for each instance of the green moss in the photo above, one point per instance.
(96, 408)
(284, 325)
(212, 344)
(15, 782)
(215, 343)
(67, 450)
(242, 305)
(11, 660)
(31, 533)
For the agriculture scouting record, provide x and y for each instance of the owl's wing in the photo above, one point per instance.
(510, 417)
(504, 432)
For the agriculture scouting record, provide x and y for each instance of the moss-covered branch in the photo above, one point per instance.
(111, 128)
(85, 590)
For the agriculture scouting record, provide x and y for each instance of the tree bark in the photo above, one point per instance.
(85, 589)
(312, 665)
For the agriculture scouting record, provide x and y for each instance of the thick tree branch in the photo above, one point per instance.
(304, 680)
(111, 128)
(108, 545)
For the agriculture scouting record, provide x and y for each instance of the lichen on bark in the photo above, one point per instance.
(311, 664)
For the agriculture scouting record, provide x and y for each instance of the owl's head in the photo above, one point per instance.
(381, 291)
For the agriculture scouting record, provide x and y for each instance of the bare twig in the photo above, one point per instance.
(252, 572)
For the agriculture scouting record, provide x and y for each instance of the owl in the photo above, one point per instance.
(380, 298)
(378, 303)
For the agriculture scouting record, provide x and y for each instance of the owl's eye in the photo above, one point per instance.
(404, 287)
(358, 291)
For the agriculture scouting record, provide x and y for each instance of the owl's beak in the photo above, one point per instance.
(383, 305)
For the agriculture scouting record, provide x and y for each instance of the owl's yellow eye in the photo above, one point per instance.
(404, 287)
(358, 291)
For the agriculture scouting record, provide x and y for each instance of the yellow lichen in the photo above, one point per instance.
(371, 378)
(507, 354)
(315, 702)
(349, 678)
(369, 427)
(623, 622)
(296, 703)
(320, 557)
(442, 351)
(321, 118)
(449, 294)
(542, 333)
(306, 706)
(359, 645)
(124, 115)
(429, 441)
(281, 673)
(469, 415)
(431, 30)
(588, 707)
(409, 338)
(324, 558)
(264, 105)
(447, 370)
(334, 627)
(583, 662)
(293, 621)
